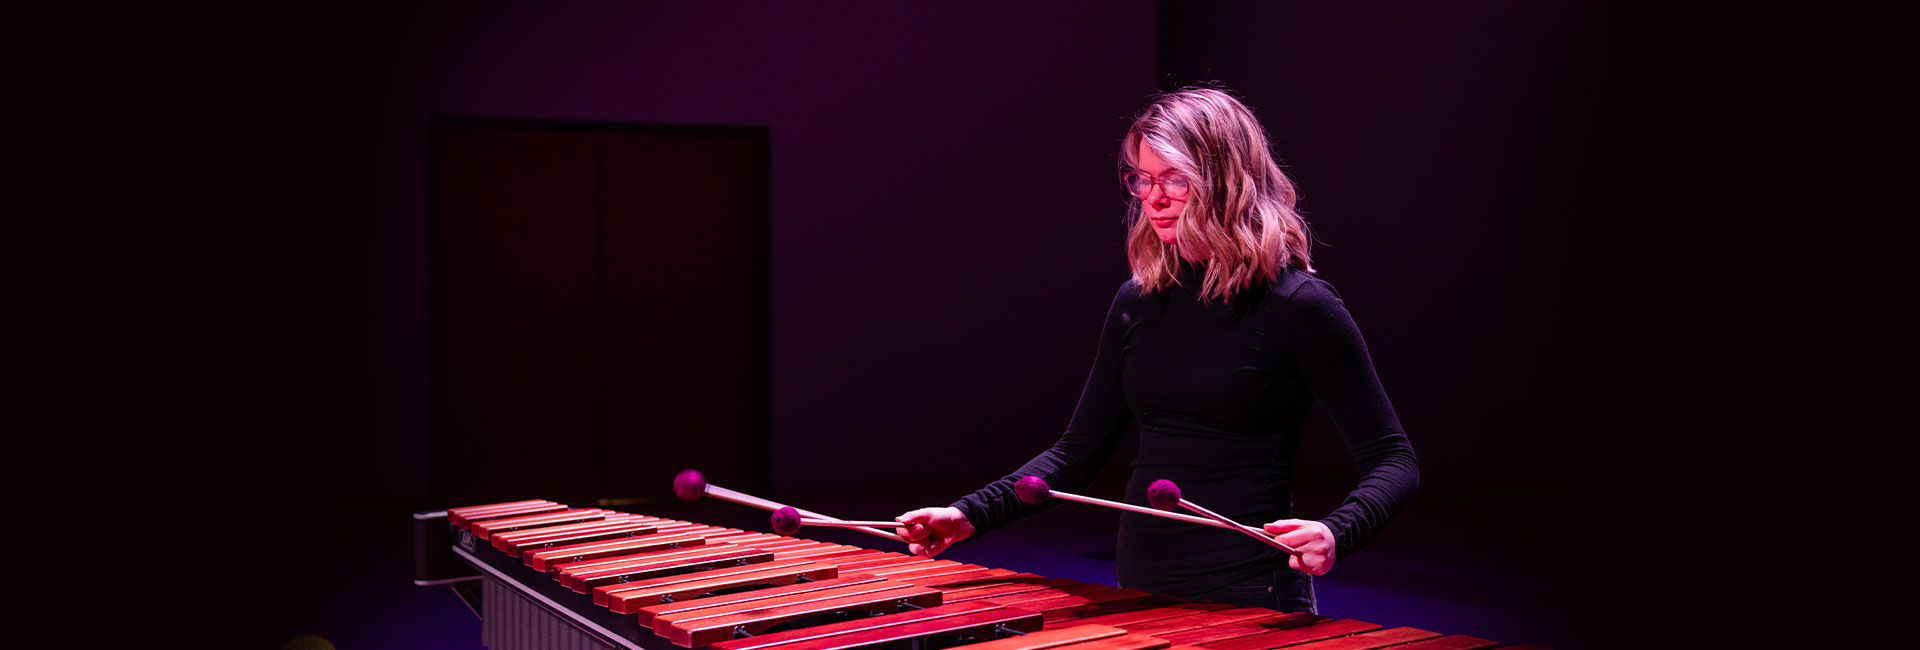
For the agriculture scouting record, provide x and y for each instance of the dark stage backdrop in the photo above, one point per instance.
(945, 235)
(945, 216)
(583, 339)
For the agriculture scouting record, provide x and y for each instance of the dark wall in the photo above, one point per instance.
(936, 176)
(584, 343)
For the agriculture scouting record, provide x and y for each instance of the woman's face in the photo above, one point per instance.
(1156, 206)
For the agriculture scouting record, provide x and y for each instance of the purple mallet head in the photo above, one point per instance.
(1032, 489)
(1163, 494)
(689, 485)
(786, 521)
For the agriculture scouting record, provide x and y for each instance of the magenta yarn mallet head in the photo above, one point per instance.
(689, 485)
(1032, 489)
(786, 521)
(1163, 494)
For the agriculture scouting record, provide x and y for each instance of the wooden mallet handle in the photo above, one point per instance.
(1164, 494)
(787, 521)
(1033, 489)
(851, 524)
(690, 485)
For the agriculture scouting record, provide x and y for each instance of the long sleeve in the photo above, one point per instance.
(1099, 424)
(1332, 358)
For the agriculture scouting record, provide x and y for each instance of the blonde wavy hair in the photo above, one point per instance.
(1239, 214)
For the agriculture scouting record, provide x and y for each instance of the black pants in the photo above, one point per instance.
(1282, 589)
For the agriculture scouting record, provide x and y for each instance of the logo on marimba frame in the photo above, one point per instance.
(308, 642)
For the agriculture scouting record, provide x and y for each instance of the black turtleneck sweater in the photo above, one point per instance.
(1221, 391)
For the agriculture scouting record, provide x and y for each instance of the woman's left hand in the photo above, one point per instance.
(1313, 539)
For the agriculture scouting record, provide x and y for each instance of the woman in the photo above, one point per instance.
(1219, 345)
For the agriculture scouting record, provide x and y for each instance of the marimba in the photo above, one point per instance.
(562, 577)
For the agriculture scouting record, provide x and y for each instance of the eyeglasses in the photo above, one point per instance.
(1139, 183)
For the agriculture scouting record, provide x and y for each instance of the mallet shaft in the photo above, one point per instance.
(851, 524)
(1140, 509)
(1234, 525)
(749, 500)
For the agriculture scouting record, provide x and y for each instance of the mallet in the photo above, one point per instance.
(1033, 489)
(788, 521)
(690, 485)
(1163, 494)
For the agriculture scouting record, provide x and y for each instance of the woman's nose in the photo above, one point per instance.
(1155, 194)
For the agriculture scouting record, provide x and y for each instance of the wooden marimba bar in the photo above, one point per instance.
(561, 577)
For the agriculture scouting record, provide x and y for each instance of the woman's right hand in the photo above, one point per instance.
(929, 531)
